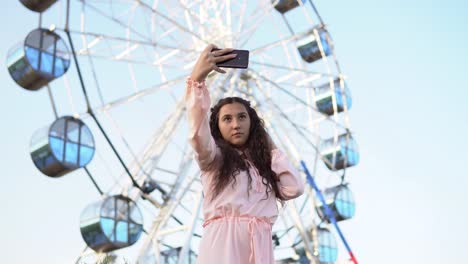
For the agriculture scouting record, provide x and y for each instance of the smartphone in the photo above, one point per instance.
(241, 61)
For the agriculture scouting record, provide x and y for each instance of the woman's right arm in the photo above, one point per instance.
(198, 102)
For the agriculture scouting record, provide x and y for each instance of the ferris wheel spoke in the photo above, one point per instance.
(279, 128)
(316, 12)
(286, 232)
(191, 228)
(281, 41)
(301, 132)
(255, 20)
(164, 215)
(300, 100)
(147, 61)
(146, 40)
(285, 113)
(161, 138)
(286, 117)
(241, 20)
(136, 164)
(123, 56)
(293, 96)
(124, 50)
(292, 124)
(174, 22)
(83, 252)
(134, 96)
(309, 200)
(315, 74)
(103, 37)
(115, 20)
(161, 207)
(125, 60)
(190, 17)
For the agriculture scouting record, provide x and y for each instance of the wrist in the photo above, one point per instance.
(197, 77)
(194, 83)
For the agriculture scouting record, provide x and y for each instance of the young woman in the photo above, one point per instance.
(243, 173)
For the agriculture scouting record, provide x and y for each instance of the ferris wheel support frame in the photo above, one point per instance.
(328, 211)
(152, 155)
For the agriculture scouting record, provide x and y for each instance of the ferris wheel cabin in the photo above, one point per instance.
(113, 223)
(327, 247)
(38, 5)
(324, 97)
(340, 153)
(284, 6)
(63, 147)
(314, 44)
(324, 244)
(42, 58)
(340, 200)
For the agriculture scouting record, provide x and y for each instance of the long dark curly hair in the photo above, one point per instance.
(257, 147)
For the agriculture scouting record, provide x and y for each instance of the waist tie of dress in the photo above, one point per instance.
(252, 225)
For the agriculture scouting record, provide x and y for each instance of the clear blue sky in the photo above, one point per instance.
(406, 62)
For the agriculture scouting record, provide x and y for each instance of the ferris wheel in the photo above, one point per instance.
(117, 70)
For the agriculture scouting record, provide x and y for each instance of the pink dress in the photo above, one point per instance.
(238, 222)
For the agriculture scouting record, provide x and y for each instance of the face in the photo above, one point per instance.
(234, 123)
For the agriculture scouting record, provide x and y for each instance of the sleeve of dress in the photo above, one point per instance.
(197, 99)
(291, 185)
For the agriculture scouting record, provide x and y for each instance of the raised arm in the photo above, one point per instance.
(197, 99)
(291, 184)
(198, 103)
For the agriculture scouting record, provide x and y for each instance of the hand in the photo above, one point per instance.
(207, 62)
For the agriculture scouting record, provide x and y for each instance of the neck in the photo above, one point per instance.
(241, 148)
